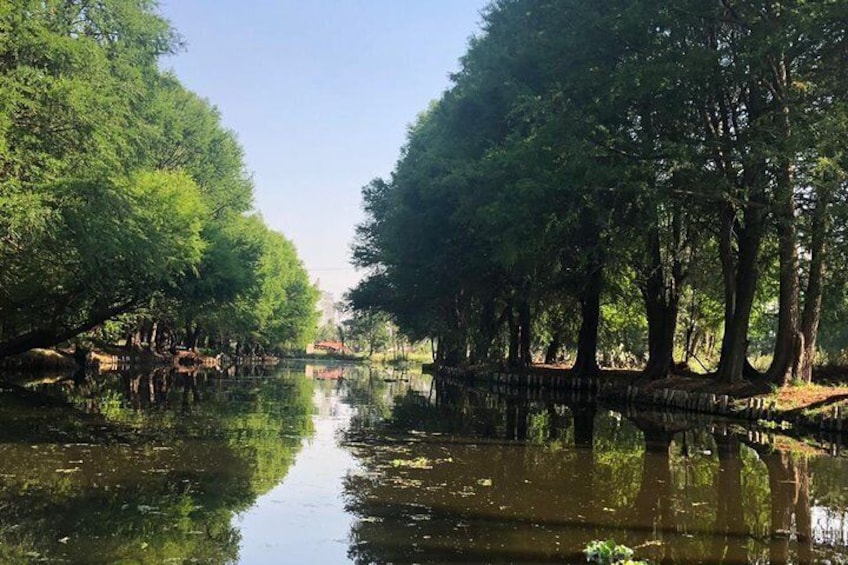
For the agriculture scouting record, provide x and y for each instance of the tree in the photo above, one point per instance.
(583, 144)
(371, 330)
(122, 193)
(108, 246)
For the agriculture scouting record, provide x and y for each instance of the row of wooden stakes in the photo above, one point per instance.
(700, 402)
(707, 403)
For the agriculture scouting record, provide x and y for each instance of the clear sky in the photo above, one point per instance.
(320, 93)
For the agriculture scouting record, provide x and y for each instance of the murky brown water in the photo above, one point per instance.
(302, 466)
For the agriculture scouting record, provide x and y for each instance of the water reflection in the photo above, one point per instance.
(142, 467)
(171, 466)
(456, 474)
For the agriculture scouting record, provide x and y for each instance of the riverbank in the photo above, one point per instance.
(814, 408)
(115, 358)
(40, 360)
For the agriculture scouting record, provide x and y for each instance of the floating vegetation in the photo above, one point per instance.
(610, 553)
(417, 463)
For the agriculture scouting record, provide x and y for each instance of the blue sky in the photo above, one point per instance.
(320, 93)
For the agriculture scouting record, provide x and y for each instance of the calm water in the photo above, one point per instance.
(335, 464)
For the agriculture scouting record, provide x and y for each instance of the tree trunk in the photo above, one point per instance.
(192, 336)
(784, 367)
(586, 363)
(662, 319)
(459, 331)
(514, 346)
(815, 284)
(693, 335)
(163, 340)
(152, 331)
(552, 352)
(524, 323)
(662, 300)
(740, 288)
(450, 351)
(744, 225)
(490, 323)
(133, 339)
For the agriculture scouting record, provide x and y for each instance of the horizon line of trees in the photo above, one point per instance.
(125, 204)
(656, 177)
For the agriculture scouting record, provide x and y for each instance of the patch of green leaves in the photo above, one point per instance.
(610, 553)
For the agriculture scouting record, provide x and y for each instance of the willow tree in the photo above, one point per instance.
(120, 189)
(87, 233)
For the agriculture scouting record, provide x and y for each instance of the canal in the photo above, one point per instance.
(308, 463)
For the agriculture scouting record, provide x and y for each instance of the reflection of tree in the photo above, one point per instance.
(652, 505)
(584, 424)
(680, 500)
(730, 530)
(618, 451)
(569, 473)
(501, 479)
(516, 419)
(145, 480)
(789, 482)
(366, 389)
(458, 411)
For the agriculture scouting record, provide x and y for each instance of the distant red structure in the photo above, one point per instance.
(332, 347)
(327, 374)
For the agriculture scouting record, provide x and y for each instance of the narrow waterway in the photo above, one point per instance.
(303, 518)
(340, 463)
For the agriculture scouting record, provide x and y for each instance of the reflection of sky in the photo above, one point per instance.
(303, 520)
(829, 526)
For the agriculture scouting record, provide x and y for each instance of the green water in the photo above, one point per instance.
(334, 464)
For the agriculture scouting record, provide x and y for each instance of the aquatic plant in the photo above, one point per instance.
(610, 553)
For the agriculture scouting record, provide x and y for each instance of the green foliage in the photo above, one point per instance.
(285, 310)
(190, 458)
(107, 245)
(656, 153)
(120, 190)
(610, 553)
(184, 132)
(368, 331)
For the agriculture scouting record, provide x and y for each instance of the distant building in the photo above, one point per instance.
(328, 308)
